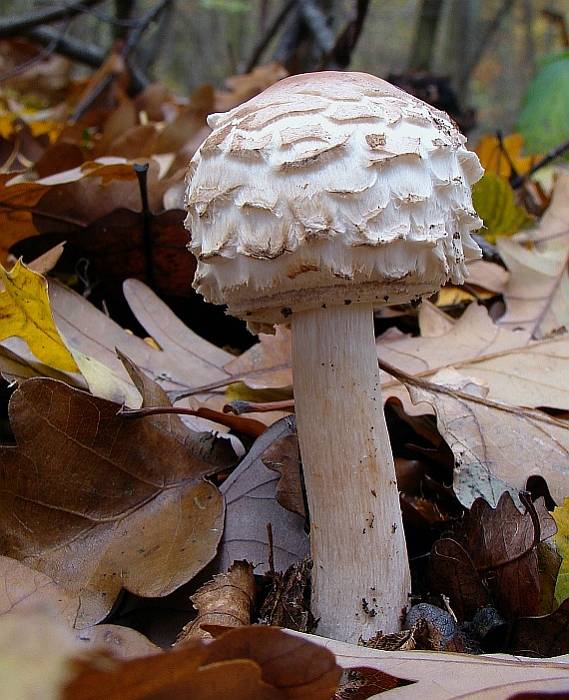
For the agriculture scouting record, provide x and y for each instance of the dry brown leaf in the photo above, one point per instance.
(450, 676)
(537, 294)
(496, 447)
(124, 498)
(264, 663)
(225, 600)
(515, 370)
(251, 505)
(23, 588)
(284, 457)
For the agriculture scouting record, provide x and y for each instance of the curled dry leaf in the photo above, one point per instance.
(495, 550)
(225, 600)
(126, 499)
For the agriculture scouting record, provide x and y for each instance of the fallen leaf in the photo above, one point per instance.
(496, 447)
(537, 294)
(452, 572)
(135, 511)
(249, 662)
(118, 641)
(515, 370)
(283, 456)
(542, 636)
(225, 600)
(449, 676)
(25, 312)
(24, 588)
(287, 602)
(500, 545)
(498, 155)
(39, 655)
(494, 201)
(251, 505)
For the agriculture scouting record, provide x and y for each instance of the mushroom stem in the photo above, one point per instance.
(360, 576)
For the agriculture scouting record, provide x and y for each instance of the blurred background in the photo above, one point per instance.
(478, 56)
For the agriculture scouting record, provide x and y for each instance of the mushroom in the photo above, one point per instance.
(323, 197)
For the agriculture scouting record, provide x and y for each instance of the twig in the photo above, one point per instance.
(273, 28)
(555, 153)
(238, 408)
(22, 23)
(141, 171)
(129, 45)
(70, 47)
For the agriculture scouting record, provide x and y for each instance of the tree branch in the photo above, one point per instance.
(316, 22)
(273, 28)
(21, 23)
(68, 46)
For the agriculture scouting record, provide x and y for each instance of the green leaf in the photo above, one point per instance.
(561, 539)
(544, 121)
(495, 202)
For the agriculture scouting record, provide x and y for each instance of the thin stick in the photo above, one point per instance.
(555, 153)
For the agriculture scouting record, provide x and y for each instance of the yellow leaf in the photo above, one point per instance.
(25, 312)
(497, 158)
(494, 200)
(6, 126)
(561, 539)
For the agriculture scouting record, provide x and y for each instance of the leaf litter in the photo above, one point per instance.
(99, 507)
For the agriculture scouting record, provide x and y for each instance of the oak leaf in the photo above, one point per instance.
(97, 502)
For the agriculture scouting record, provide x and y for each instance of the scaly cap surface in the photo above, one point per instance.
(329, 188)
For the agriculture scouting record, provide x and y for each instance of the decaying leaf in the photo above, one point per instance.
(225, 600)
(287, 604)
(25, 312)
(126, 498)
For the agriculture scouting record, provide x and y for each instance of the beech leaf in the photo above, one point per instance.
(125, 498)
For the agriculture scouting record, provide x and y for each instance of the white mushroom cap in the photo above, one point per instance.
(329, 188)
